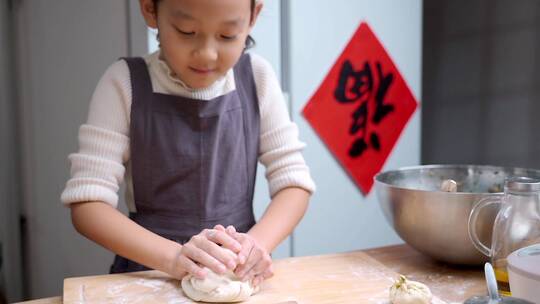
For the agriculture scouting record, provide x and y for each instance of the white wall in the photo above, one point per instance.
(340, 218)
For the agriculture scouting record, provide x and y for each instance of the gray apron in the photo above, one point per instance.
(193, 161)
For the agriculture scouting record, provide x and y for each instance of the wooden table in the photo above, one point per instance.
(449, 283)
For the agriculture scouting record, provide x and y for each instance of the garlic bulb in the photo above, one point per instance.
(409, 292)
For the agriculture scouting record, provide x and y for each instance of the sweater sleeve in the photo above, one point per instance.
(280, 150)
(97, 169)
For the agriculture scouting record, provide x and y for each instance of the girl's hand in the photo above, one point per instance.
(255, 263)
(204, 250)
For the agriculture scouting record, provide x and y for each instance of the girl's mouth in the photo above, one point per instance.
(202, 71)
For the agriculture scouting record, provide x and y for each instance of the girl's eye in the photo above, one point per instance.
(228, 37)
(185, 33)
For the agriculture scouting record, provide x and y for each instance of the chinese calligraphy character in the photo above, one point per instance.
(357, 86)
(363, 83)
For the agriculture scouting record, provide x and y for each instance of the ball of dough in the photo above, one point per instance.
(409, 292)
(217, 288)
(449, 185)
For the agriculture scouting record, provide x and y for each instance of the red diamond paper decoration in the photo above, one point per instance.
(361, 107)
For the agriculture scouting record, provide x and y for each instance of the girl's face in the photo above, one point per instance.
(201, 39)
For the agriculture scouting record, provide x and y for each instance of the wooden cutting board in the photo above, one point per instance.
(339, 278)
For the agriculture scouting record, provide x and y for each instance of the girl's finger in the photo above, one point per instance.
(226, 257)
(262, 265)
(231, 230)
(200, 256)
(257, 280)
(223, 238)
(247, 246)
(219, 227)
(189, 266)
(250, 275)
(268, 273)
(244, 272)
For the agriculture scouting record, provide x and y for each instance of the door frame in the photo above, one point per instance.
(11, 270)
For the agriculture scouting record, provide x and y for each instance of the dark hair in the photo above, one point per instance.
(250, 42)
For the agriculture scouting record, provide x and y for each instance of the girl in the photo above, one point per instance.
(186, 126)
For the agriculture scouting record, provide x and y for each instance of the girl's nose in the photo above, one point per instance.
(206, 52)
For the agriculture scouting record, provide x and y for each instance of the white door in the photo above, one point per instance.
(10, 245)
(63, 48)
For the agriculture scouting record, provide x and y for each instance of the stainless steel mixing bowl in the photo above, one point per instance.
(435, 222)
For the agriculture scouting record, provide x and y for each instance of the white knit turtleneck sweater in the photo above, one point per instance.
(103, 160)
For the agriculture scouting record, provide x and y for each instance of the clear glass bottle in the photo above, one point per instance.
(517, 224)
